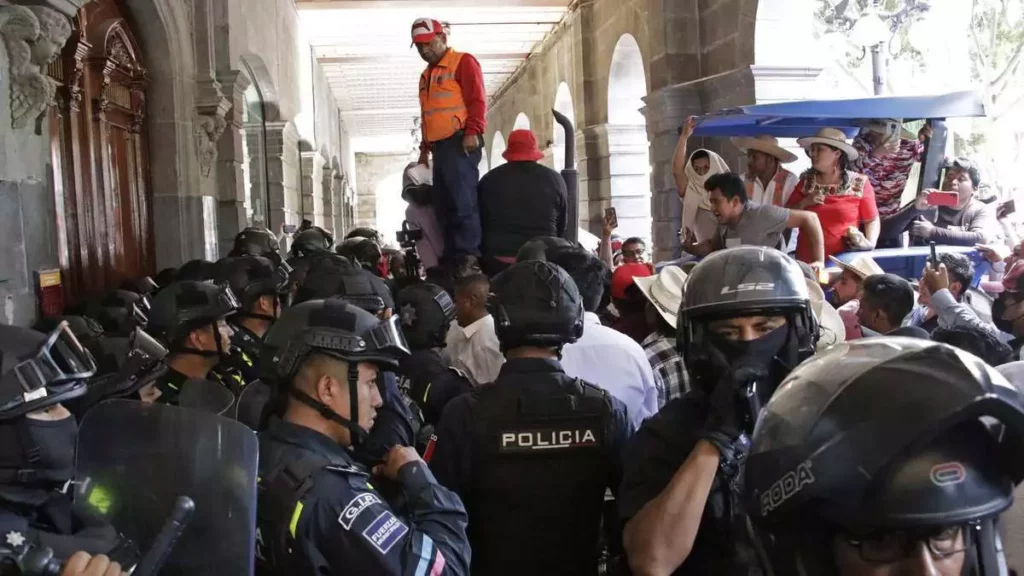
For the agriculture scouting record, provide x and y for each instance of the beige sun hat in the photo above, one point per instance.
(764, 143)
(889, 126)
(830, 137)
(862, 265)
(665, 291)
(832, 330)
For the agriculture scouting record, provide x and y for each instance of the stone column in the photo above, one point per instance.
(327, 188)
(282, 173)
(231, 190)
(309, 184)
(615, 172)
(340, 203)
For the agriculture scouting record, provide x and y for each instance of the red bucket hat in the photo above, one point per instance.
(522, 147)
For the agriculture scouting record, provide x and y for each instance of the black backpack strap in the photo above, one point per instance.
(279, 498)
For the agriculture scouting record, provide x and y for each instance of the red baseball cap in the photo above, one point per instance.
(623, 276)
(425, 29)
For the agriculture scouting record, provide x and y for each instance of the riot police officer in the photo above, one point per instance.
(39, 372)
(120, 312)
(191, 319)
(874, 459)
(538, 248)
(426, 311)
(259, 286)
(365, 252)
(745, 321)
(317, 511)
(256, 241)
(395, 424)
(533, 453)
(310, 240)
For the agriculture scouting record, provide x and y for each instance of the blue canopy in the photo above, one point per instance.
(805, 117)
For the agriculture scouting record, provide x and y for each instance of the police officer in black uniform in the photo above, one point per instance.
(37, 450)
(191, 319)
(365, 252)
(120, 311)
(259, 286)
(256, 241)
(874, 460)
(395, 425)
(318, 513)
(532, 453)
(744, 323)
(313, 239)
(425, 312)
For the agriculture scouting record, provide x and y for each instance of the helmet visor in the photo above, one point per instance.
(60, 359)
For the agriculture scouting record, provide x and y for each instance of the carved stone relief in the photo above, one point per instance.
(208, 128)
(34, 36)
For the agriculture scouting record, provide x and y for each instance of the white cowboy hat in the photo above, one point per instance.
(830, 137)
(832, 329)
(665, 291)
(764, 143)
(861, 265)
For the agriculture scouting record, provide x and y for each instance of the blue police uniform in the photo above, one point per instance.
(532, 455)
(393, 425)
(341, 524)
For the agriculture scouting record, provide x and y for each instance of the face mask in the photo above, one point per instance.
(756, 354)
(46, 446)
(751, 372)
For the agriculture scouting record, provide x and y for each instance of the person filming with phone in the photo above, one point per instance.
(960, 219)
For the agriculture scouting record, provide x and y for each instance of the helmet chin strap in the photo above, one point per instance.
(357, 434)
(219, 353)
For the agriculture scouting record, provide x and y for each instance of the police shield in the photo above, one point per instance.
(135, 459)
(251, 404)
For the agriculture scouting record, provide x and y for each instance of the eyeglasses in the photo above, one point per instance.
(896, 546)
(635, 253)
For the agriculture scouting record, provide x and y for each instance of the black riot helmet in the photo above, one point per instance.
(313, 239)
(39, 370)
(143, 286)
(363, 251)
(197, 270)
(120, 312)
(743, 282)
(364, 232)
(251, 277)
(185, 306)
(255, 241)
(354, 285)
(425, 311)
(337, 329)
(536, 304)
(538, 248)
(885, 436)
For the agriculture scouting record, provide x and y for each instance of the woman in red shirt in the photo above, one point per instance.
(843, 200)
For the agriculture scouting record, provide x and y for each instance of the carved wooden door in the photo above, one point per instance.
(100, 160)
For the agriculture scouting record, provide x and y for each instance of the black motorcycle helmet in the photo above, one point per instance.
(882, 435)
(314, 239)
(39, 370)
(425, 311)
(536, 303)
(363, 251)
(185, 306)
(740, 282)
(254, 241)
(354, 285)
(538, 248)
(335, 328)
(120, 312)
(251, 277)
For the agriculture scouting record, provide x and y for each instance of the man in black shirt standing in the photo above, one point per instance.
(519, 201)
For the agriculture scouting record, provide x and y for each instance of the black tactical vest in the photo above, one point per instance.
(541, 466)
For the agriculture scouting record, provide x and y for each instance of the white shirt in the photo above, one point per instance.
(615, 362)
(475, 350)
(764, 195)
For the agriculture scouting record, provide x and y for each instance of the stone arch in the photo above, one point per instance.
(564, 105)
(522, 122)
(268, 91)
(165, 31)
(497, 149)
(627, 83)
(629, 164)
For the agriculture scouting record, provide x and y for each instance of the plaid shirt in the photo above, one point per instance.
(888, 174)
(669, 372)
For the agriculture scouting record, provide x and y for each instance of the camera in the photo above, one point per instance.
(407, 238)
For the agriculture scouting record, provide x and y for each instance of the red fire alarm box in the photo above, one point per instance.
(50, 293)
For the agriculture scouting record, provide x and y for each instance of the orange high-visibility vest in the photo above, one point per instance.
(444, 109)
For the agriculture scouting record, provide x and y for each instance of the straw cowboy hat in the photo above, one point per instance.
(767, 144)
(862, 265)
(830, 137)
(832, 330)
(665, 291)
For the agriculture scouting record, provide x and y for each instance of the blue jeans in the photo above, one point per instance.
(455, 201)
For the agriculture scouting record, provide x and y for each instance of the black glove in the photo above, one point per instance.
(723, 427)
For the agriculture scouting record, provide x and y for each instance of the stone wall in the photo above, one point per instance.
(370, 170)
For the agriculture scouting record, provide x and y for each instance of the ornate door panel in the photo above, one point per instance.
(101, 168)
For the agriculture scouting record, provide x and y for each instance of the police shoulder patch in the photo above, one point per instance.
(385, 531)
(356, 507)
